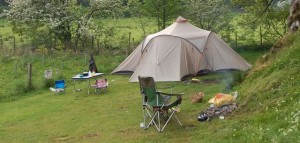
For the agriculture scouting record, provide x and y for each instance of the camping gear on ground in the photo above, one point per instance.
(92, 65)
(213, 111)
(88, 77)
(59, 86)
(180, 50)
(195, 80)
(197, 97)
(202, 117)
(101, 84)
(221, 99)
(155, 106)
(48, 74)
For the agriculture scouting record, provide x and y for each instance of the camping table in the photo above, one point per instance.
(78, 77)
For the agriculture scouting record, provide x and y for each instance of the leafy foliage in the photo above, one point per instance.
(42, 22)
(162, 10)
(268, 16)
(213, 15)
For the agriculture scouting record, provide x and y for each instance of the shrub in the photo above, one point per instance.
(21, 87)
(47, 83)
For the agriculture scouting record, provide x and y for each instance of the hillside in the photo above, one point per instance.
(270, 96)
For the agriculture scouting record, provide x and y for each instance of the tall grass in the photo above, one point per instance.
(14, 70)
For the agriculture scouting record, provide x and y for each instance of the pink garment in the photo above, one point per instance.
(101, 83)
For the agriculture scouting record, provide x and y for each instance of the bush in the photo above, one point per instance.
(47, 83)
(21, 87)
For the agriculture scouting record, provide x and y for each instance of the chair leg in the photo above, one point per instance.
(177, 120)
(169, 118)
(158, 120)
(156, 114)
(146, 113)
(156, 117)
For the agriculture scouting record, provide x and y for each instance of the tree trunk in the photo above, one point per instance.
(164, 14)
(294, 18)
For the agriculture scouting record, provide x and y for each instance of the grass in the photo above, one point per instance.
(42, 116)
(272, 94)
(79, 117)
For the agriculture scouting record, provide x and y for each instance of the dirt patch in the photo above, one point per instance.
(63, 138)
(189, 127)
(89, 135)
(71, 139)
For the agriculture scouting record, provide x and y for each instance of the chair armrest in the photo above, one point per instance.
(167, 98)
(170, 94)
(165, 87)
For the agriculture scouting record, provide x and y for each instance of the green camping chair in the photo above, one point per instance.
(156, 104)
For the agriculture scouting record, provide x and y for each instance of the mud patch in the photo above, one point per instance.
(71, 139)
(189, 127)
(63, 138)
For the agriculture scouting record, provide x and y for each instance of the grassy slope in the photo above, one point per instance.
(269, 97)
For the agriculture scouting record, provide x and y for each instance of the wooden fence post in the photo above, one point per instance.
(133, 45)
(29, 83)
(14, 38)
(236, 39)
(129, 38)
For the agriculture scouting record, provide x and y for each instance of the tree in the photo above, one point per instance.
(161, 10)
(213, 15)
(294, 18)
(65, 20)
(267, 15)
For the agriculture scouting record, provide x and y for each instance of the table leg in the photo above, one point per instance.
(89, 86)
(74, 86)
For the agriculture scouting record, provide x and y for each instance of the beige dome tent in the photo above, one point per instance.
(179, 50)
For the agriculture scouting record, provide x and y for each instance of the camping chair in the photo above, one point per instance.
(60, 86)
(101, 84)
(161, 107)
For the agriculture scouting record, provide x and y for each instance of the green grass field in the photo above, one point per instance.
(46, 117)
(42, 116)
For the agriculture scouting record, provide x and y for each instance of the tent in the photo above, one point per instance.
(179, 50)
